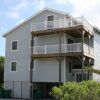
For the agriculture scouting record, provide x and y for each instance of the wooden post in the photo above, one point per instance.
(31, 68)
(21, 89)
(83, 54)
(89, 43)
(89, 67)
(60, 60)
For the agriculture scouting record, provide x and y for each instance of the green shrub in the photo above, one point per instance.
(86, 90)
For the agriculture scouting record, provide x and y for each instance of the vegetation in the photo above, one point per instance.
(91, 70)
(86, 90)
(1, 70)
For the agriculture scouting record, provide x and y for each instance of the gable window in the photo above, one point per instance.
(14, 45)
(50, 18)
(13, 66)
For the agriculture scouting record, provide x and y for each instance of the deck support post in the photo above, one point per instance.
(83, 54)
(89, 67)
(59, 59)
(89, 43)
(31, 68)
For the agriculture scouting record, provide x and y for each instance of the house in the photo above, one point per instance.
(48, 49)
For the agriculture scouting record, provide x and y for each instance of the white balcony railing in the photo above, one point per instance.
(88, 49)
(65, 48)
(62, 23)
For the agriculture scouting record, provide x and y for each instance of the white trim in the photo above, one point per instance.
(11, 45)
(49, 9)
(11, 66)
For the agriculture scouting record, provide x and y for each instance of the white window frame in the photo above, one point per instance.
(11, 45)
(11, 66)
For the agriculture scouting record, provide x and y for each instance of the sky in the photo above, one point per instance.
(13, 12)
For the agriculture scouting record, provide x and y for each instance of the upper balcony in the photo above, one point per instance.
(66, 49)
(62, 24)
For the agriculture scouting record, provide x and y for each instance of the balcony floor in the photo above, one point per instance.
(71, 30)
(55, 55)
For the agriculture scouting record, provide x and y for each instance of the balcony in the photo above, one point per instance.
(65, 49)
(62, 23)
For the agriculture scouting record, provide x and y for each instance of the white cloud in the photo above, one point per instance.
(13, 14)
(20, 21)
(38, 4)
(21, 5)
(14, 11)
(89, 9)
(61, 1)
(41, 5)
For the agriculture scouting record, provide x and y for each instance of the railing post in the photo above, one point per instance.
(54, 24)
(83, 54)
(45, 49)
(45, 25)
(60, 23)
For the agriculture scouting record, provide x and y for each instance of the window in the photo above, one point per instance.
(70, 67)
(50, 18)
(14, 45)
(13, 66)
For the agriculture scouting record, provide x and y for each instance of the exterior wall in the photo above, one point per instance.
(23, 35)
(97, 55)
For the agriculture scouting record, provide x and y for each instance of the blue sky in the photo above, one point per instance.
(13, 12)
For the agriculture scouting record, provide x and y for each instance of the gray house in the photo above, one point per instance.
(48, 49)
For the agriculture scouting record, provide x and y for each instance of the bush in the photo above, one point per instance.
(86, 90)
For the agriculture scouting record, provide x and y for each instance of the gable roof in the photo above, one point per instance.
(48, 9)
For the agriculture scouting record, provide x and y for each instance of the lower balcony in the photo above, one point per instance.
(66, 49)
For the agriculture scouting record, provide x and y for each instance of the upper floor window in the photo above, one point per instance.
(14, 45)
(50, 18)
(13, 66)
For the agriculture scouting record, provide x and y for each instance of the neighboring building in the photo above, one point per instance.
(60, 48)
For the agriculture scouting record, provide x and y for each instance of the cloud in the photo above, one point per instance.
(39, 4)
(13, 14)
(20, 21)
(15, 10)
(89, 9)
(21, 5)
